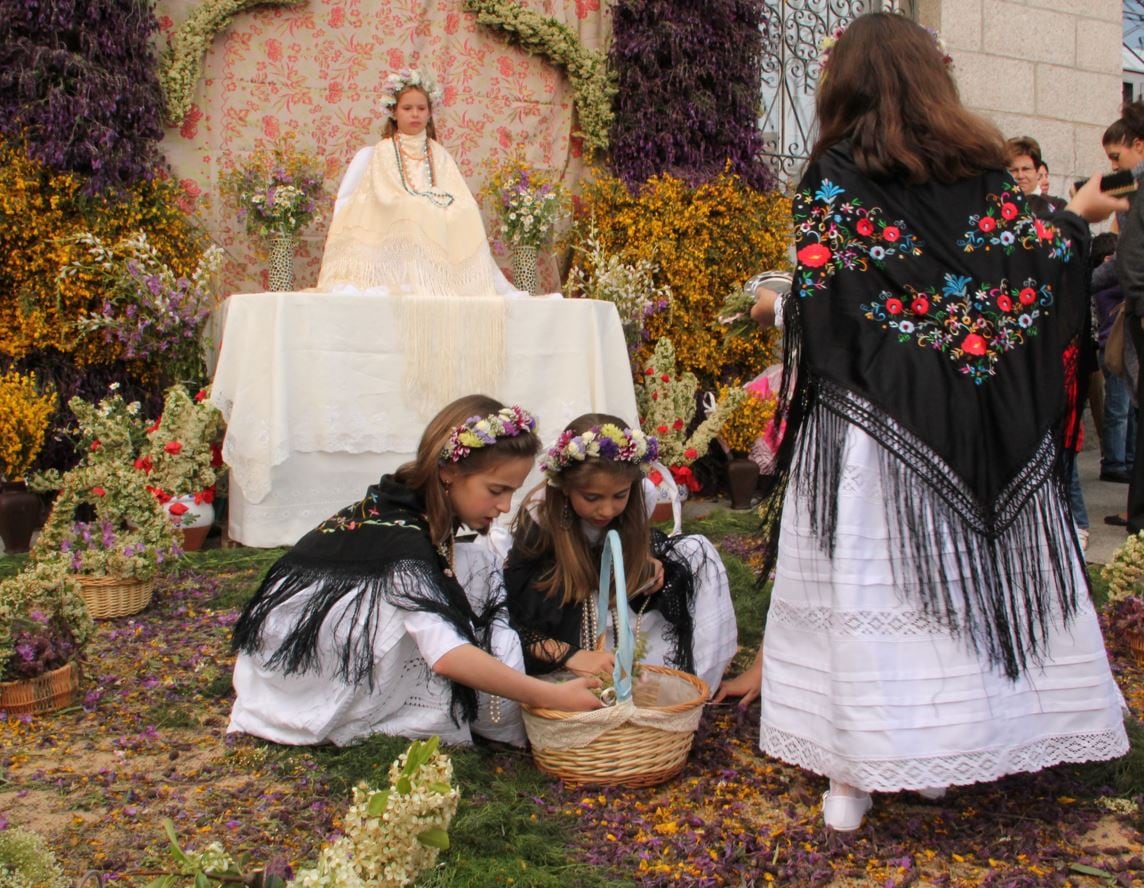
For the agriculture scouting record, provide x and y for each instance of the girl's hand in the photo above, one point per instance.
(654, 583)
(745, 686)
(592, 663)
(575, 695)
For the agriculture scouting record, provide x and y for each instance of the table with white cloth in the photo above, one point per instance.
(310, 385)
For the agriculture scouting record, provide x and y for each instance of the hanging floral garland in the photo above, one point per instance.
(182, 61)
(592, 81)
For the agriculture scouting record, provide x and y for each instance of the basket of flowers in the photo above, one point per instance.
(44, 626)
(643, 735)
(182, 460)
(106, 527)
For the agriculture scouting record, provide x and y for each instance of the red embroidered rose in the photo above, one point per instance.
(691, 453)
(987, 224)
(98, 491)
(1027, 296)
(920, 306)
(894, 305)
(814, 255)
(973, 344)
(865, 227)
(173, 447)
(1008, 210)
(677, 425)
(655, 476)
(178, 508)
(1004, 303)
(1044, 232)
(891, 233)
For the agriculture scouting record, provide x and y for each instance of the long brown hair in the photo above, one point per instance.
(887, 90)
(555, 531)
(391, 122)
(423, 473)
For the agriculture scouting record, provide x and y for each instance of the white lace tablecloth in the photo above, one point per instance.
(310, 385)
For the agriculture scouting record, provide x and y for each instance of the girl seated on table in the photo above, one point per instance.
(381, 620)
(677, 586)
(405, 223)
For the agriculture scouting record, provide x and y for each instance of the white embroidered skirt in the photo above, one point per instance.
(859, 685)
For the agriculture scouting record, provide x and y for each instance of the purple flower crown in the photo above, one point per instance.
(477, 432)
(608, 442)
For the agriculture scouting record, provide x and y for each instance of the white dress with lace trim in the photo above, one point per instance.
(861, 686)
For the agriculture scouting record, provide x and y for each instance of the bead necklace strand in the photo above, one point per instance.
(435, 197)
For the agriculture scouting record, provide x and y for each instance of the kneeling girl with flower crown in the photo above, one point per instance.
(677, 586)
(382, 621)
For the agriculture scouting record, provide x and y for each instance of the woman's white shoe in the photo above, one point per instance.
(845, 813)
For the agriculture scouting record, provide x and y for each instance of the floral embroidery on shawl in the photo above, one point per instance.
(1007, 224)
(846, 235)
(972, 327)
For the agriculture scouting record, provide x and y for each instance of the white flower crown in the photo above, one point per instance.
(398, 82)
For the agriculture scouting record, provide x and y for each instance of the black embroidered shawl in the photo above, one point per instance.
(934, 317)
(538, 618)
(377, 549)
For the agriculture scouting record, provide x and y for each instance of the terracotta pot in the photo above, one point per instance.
(21, 515)
(42, 694)
(742, 481)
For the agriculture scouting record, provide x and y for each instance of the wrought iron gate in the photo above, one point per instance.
(792, 33)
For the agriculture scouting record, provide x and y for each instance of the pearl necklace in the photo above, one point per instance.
(437, 198)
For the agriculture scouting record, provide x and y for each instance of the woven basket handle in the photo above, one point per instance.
(612, 564)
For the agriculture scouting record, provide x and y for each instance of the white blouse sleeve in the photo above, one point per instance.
(353, 176)
(433, 636)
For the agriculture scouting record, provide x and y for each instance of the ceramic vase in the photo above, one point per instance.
(281, 262)
(525, 275)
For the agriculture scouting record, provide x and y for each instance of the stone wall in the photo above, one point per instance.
(1050, 69)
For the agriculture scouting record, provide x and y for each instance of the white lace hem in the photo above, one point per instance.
(946, 769)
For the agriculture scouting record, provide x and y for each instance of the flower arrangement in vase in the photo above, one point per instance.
(148, 312)
(630, 286)
(746, 424)
(182, 460)
(667, 403)
(528, 202)
(44, 626)
(26, 410)
(105, 525)
(278, 190)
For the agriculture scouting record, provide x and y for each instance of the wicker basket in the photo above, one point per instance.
(110, 597)
(42, 694)
(628, 754)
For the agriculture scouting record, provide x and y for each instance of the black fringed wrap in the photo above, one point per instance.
(538, 618)
(968, 446)
(376, 550)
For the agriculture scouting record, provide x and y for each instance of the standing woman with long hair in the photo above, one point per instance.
(930, 622)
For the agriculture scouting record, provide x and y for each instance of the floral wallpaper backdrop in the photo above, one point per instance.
(314, 73)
